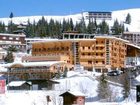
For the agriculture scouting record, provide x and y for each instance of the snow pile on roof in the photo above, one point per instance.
(32, 64)
(75, 93)
(138, 78)
(84, 84)
(16, 83)
(2, 69)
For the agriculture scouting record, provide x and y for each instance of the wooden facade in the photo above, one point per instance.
(17, 40)
(33, 70)
(72, 98)
(101, 53)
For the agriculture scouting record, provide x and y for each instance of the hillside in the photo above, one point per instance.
(83, 82)
(120, 15)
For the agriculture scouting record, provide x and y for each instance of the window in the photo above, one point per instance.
(96, 42)
(10, 38)
(83, 48)
(89, 62)
(3, 37)
(17, 38)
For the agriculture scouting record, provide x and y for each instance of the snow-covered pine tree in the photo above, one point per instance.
(128, 19)
(104, 90)
(126, 86)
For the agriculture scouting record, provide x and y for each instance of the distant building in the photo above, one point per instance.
(133, 37)
(16, 40)
(33, 70)
(98, 15)
(29, 42)
(19, 85)
(73, 98)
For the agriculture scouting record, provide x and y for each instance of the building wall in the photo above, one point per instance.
(133, 37)
(99, 15)
(102, 53)
(16, 40)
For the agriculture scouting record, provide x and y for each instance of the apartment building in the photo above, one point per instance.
(99, 52)
(17, 40)
(133, 37)
(98, 15)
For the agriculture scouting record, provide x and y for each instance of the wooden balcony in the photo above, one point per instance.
(86, 57)
(100, 51)
(100, 45)
(86, 50)
(99, 57)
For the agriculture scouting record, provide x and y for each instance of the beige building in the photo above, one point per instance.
(99, 52)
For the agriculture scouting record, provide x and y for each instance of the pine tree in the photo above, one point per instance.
(11, 15)
(11, 27)
(65, 72)
(28, 29)
(104, 91)
(127, 30)
(104, 28)
(2, 28)
(128, 19)
(71, 24)
(91, 28)
(52, 28)
(117, 28)
(9, 57)
(126, 86)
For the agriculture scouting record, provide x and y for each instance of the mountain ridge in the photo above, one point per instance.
(120, 15)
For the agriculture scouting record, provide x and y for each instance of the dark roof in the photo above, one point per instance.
(99, 12)
(73, 93)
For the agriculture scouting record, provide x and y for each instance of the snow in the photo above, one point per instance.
(76, 93)
(77, 83)
(29, 64)
(16, 83)
(138, 78)
(120, 15)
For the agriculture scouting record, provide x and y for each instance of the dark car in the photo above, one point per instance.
(113, 73)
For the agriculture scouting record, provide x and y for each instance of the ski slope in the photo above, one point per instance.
(120, 15)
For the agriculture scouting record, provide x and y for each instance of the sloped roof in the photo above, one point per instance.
(133, 45)
(16, 83)
(32, 64)
(75, 93)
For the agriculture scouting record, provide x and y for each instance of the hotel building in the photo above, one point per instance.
(99, 52)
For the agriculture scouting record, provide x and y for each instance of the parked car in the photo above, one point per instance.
(114, 73)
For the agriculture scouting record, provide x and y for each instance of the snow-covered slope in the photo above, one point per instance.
(120, 15)
(135, 20)
(77, 82)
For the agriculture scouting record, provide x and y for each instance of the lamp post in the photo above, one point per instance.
(8, 78)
